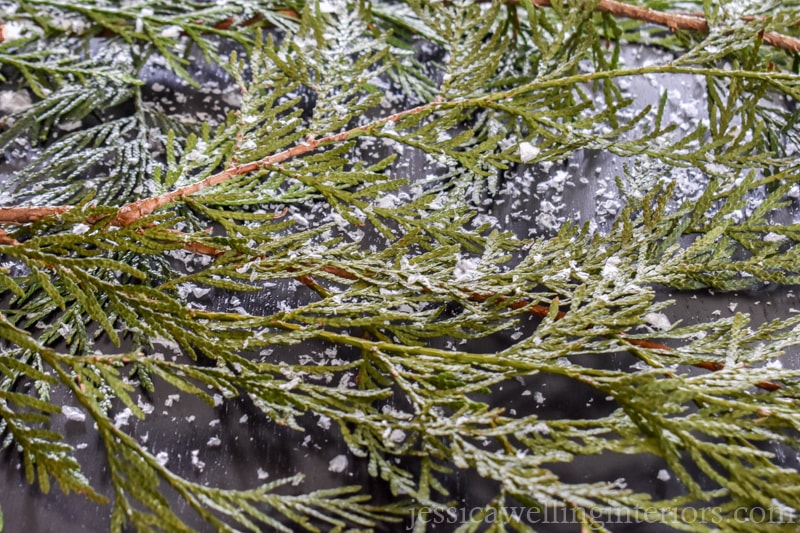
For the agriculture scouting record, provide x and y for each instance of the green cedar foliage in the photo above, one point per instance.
(316, 84)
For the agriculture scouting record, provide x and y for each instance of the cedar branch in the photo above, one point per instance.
(133, 211)
(542, 311)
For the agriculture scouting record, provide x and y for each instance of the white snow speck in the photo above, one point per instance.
(73, 413)
(171, 32)
(611, 268)
(541, 427)
(70, 126)
(214, 442)
(11, 31)
(262, 474)
(774, 237)
(527, 152)
(774, 364)
(466, 269)
(663, 475)
(171, 399)
(324, 421)
(397, 435)
(122, 418)
(162, 458)
(338, 463)
(658, 320)
(196, 462)
(14, 101)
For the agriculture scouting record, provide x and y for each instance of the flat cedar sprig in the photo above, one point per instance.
(673, 20)
(383, 158)
(135, 210)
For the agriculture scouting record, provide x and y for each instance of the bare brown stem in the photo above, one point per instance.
(677, 21)
(5, 238)
(23, 215)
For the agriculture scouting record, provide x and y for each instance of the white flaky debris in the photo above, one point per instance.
(466, 269)
(171, 32)
(162, 458)
(658, 320)
(541, 428)
(11, 31)
(196, 462)
(663, 475)
(73, 413)
(122, 418)
(14, 101)
(527, 152)
(611, 268)
(338, 464)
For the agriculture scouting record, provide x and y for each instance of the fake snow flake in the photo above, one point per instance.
(324, 421)
(611, 268)
(527, 152)
(196, 462)
(388, 127)
(774, 237)
(397, 436)
(122, 418)
(10, 31)
(658, 320)
(14, 101)
(171, 32)
(171, 399)
(70, 126)
(198, 154)
(214, 442)
(73, 413)
(774, 364)
(541, 428)
(338, 464)
(162, 458)
(663, 475)
(262, 474)
(784, 512)
(147, 408)
(466, 269)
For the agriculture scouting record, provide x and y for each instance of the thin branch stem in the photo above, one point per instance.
(677, 21)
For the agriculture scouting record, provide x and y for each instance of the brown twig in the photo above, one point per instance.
(23, 215)
(677, 21)
(5, 238)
